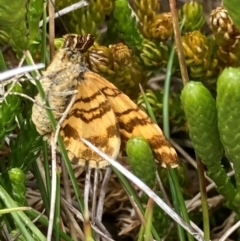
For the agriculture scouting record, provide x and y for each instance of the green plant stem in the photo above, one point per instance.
(149, 217)
(223, 183)
(145, 230)
(57, 216)
(202, 181)
(141, 233)
(46, 169)
(45, 197)
(20, 217)
(166, 92)
(172, 173)
(181, 233)
(148, 106)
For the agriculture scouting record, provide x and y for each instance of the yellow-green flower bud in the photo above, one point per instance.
(154, 55)
(194, 16)
(198, 52)
(121, 53)
(161, 28)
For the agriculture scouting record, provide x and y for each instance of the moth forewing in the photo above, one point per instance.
(133, 121)
(92, 118)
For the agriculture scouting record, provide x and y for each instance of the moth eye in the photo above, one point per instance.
(73, 57)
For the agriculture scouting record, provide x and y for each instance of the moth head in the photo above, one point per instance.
(72, 56)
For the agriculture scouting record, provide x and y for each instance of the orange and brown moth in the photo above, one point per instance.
(101, 113)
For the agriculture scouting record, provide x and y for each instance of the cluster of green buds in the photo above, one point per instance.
(153, 54)
(226, 37)
(194, 17)
(160, 28)
(199, 54)
(146, 10)
(176, 114)
(153, 25)
(116, 64)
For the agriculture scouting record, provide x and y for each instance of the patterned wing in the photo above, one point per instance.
(92, 118)
(133, 121)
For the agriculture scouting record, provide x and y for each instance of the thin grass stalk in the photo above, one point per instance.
(205, 213)
(44, 195)
(180, 230)
(148, 106)
(166, 129)
(21, 218)
(57, 216)
(46, 168)
(149, 219)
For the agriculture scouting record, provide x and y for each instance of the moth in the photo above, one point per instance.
(101, 113)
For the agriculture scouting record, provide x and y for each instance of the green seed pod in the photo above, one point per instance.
(228, 107)
(201, 114)
(141, 159)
